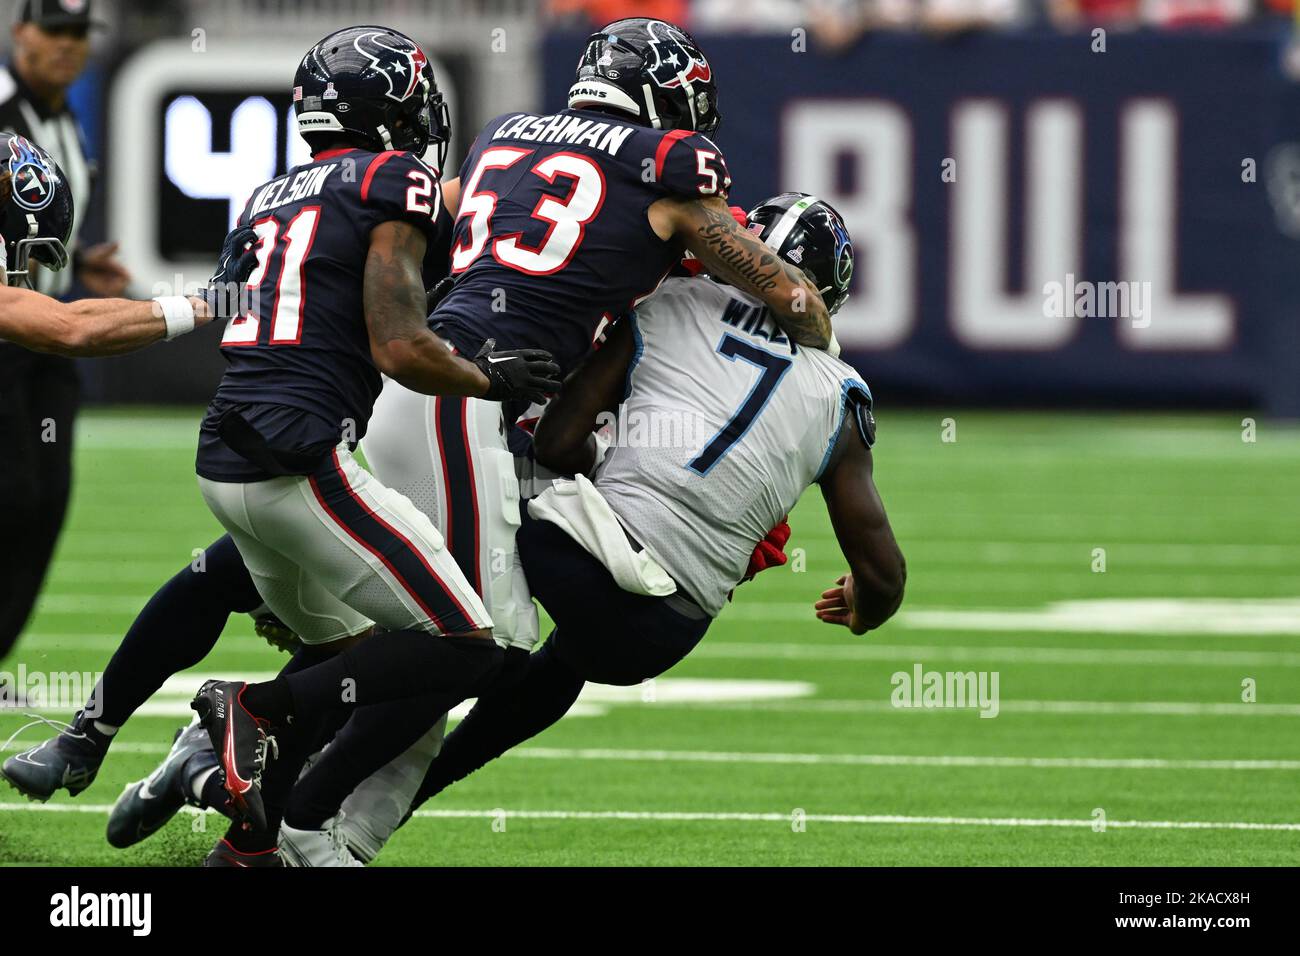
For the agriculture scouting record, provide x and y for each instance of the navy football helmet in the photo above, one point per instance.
(652, 70)
(372, 87)
(36, 208)
(808, 233)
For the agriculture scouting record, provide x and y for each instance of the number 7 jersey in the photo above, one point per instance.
(552, 234)
(298, 364)
(726, 423)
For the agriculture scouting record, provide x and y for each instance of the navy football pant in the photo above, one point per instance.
(602, 634)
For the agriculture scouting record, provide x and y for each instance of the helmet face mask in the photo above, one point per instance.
(51, 253)
(374, 88)
(808, 233)
(36, 209)
(652, 70)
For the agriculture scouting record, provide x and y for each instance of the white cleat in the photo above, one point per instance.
(324, 847)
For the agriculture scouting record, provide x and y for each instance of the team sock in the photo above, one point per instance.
(296, 741)
(502, 718)
(373, 737)
(269, 700)
(385, 667)
(212, 794)
(177, 628)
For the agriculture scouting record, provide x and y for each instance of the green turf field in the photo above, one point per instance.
(1120, 692)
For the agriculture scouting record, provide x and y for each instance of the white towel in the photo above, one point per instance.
(585, 515)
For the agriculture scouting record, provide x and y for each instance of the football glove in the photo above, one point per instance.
(433, 297)
(226, 295)
(770, 552)
(527, 374)
(276, 633)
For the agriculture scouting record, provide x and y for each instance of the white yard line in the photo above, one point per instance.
(855, 649)
(899, 760)
(669, 816)
(834, 760)
(1104, 656)
(1158, 708)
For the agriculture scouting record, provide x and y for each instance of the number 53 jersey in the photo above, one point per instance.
(299, 369)
(551, 233)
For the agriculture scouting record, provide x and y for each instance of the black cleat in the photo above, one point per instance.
(241, 743)
(146, 805)
(66, 762)
(223, 854)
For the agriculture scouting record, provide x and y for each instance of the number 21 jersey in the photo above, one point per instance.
(299, 368)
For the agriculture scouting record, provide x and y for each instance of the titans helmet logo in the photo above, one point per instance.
(674, 57)
(403, 69)
(843, 257)
(33, 177)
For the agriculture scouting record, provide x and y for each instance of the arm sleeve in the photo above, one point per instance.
(691, 166)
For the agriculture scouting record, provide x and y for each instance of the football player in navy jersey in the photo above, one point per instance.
(563, 221)
(333, 551)
(345, 247)
(640, 109)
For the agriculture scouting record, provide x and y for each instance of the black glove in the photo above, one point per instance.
(276, 633)
(434, 296)
(528, 374)
(226, 295)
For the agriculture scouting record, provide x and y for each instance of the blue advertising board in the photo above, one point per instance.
(1038, 221)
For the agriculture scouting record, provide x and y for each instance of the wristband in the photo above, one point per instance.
(178, 313)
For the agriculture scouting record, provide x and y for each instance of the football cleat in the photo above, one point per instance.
(241, 743)
(146, 805)
(66, 762)
(324, 847)
(223, 854)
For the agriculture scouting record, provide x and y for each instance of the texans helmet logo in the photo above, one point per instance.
(402, 68)
(34, 179)
(675, 57)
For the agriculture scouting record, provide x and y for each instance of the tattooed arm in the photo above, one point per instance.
(400, 341)
(731, 253)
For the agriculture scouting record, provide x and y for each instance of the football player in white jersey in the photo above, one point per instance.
(724, 423)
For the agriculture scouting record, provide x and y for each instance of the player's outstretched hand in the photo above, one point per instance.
(528, 374)
(225, 295)
(837, 606)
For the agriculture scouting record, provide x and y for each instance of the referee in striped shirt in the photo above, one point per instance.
(39, 394)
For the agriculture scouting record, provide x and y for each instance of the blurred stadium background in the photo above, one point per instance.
(1170, 158)
(979, 150)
